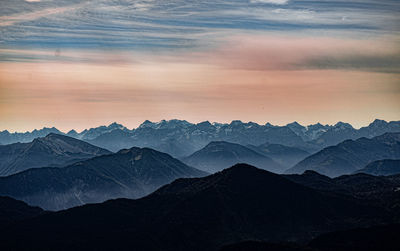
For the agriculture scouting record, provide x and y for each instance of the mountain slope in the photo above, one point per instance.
(129, 173)
(284, 155)
(381, 191)
(52, 150)
(351, 155)
(12, 210)
(382, 167)
(219, 155)
(382, 237)
(237, 204)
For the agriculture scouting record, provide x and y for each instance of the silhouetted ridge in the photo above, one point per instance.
(218, 155)
(12, 210)
(351, 155)
(236, 204)
(130, 173)
(52, 150)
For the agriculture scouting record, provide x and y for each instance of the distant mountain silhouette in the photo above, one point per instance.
(114, 140)
(219, 155)
(284, 155)
(92, 133)
(344, 131)
(234, 205)
(52, 150)
(130, 173)
(12, 210)
(351, 155)
(181, 138)
(10, 138)
(308, 133)
(382, 167)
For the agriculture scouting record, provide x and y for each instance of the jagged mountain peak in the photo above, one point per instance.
(165, 124)
(343, 125)
(378, 122)
(295, 124)
(236, 123)
(115, 125)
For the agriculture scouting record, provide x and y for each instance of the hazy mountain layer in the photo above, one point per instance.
(382, 167)
(181, 138)
(52, 150)
(284, 155)
(219, 155)
(129, 173)
(351, 155)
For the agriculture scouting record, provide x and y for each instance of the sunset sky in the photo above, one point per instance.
(75, 64)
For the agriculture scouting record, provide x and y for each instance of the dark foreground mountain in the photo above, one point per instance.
(263, 246)
(351, 155)
(376, 238)
(12, 210)
(234, 205)
(286, 156)
(382, 167)
(219, 155)
(129, 173)
(373, 190)
(52, 150)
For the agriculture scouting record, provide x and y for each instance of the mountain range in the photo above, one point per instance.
(129, 173)
(351, 155)
(219, 155)
(237, 204)
(51, 150)
(341, 185)
(181, 138)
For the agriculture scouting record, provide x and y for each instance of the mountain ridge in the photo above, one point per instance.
(218, 155)
(382, 167)
(130, 173)
(350, 155)
(53, 149)
(192, 208)
(181, 138)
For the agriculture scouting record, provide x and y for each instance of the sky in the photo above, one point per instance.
(75, 64)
